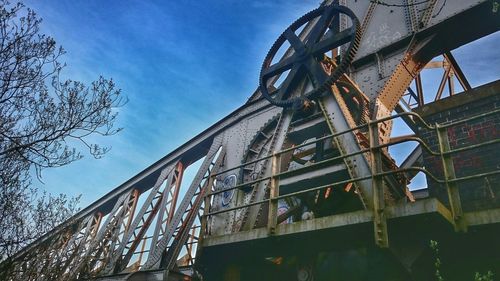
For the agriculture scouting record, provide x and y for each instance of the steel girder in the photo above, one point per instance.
(396, 44)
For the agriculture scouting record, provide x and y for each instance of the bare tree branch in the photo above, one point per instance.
(45, 122)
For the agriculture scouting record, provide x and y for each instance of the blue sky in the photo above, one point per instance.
(182, 64)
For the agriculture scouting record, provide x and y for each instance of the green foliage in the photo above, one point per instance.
(486, 277)
(437, 263)
(437, 266)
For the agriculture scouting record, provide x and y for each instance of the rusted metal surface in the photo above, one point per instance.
(283, 173)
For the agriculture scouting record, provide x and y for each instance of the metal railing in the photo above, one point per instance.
(375, 153)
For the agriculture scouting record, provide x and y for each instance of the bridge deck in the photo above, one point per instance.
(429, 211)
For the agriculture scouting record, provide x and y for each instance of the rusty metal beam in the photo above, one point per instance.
(379, 216)
(462, 79)
(156, 251)
(444, 79)
(420, 89)
(139, 226)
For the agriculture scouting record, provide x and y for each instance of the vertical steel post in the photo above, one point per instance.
(178, 174)
(141, 253)
(379, 218)
(449, 174)
(451, 83)
(131, 210)
(190, 244)
(273, 193)
(420, 90)
(206, 209)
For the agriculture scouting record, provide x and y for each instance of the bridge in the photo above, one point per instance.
(299, 183)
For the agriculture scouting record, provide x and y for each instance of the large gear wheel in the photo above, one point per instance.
(258, 148)
(306, 55)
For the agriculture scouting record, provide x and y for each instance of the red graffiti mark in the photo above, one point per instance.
(466, 161)
(472, 134)
(452, 136)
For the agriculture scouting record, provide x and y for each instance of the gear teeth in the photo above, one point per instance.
(240, 223)
(254, 140)
(335, 75)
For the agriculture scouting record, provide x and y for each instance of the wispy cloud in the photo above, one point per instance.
(183, 66)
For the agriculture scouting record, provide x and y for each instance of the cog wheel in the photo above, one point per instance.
(305, 272)
(306, 55)
(258, 148)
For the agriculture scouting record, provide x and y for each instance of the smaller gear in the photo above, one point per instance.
(305, 273)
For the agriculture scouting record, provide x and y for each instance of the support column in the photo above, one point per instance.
(449, 174)
(379, 217)
(274, 192)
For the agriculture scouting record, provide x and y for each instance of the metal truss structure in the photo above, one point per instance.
(308, 151)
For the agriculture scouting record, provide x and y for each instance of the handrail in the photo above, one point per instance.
(405, 170)
(365, 125)
(333, 159)
(403, 139)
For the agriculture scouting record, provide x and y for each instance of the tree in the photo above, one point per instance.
(44, 122)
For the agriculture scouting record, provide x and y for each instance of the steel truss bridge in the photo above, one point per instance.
(299, 183)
